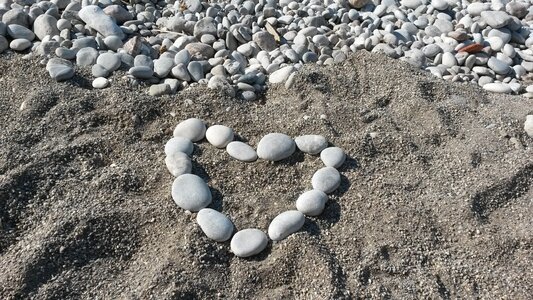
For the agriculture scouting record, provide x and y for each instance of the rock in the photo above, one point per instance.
(528, 125)
(100, 83)
(439, 4)
(215, 225)
(275, 146)
(285, 224)
(358, 3)
(68, 54)
(333, 157)
(19, 44)
(193, 6)
(193, 129)
(517, 9)
(4, 44)
(20, 32)
(248, 96)
(264, 40)
(174, 84)
(119, 13)
(16, 16)
(281, 75)
(95, 18)
(196, 71)
(219, 135)
(497, 87)
(326, 179)
(60, 69)
(190, 192)
(472, 48)
(200, 51)
(448, 59)
(180, 72)
(141, 72)
(110, 61)
(205, 26)
(496, 19)
(241, 151)
(476, 8)
(162, 66)
(113, 42)
(179, 144)
(45, 25)
(498, 66)
(99, 71)
(86, 56)
(312, 203)
(312, 144)
(178, 163)
(248, 242)
(159, 89)
(133, 46)
(143, 61)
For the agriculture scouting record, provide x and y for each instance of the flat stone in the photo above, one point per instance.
(281, 75)
(215, 225)
(333, 157)
(60, 69)
(241, 151)
(498, 66)
(326, 179)
(86, 56)
(19, 44)
(248, 242)
(159, 89)
(200, 51)
(95, 18)
(179, 144)
(100, 83)
(497, 87)
(275, 146)
(312, 203)
(285, 224)
(20, 32)
(193, 129)
(178, 163)
(141, 72)
(312, 144)
(219, 135)
(67, 53)
(496, 19)
(190, 192)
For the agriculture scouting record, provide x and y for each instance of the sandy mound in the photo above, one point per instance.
(435, 200)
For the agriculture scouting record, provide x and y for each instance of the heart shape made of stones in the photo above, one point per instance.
(191, 192)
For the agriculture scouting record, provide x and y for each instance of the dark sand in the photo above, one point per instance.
(435, 203)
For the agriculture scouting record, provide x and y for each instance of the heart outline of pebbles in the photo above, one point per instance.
(190, 192)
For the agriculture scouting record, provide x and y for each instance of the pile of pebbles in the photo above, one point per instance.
(238, 45)
(191, 193)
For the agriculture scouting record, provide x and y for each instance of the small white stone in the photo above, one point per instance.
(219, 135)
(241, 151)
(326, 179)
(179, 144)
(216, 226)
(312, 144)
(100, 83)
(275, 146)
(312, 203)
(285, 224)
(190, 192)
(333, 157)
(178, 163)
(193, 129)
(248, 242)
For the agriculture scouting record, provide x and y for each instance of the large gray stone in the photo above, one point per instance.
(215, 225)
(275, 146)
(205, 26)
(190, 192)
(326, 179)
(312, 203)
(20, 32)
(312, 144)
(496, 19)
(241, 151)
(60, 69)
(193, 129)
(45, 25)
(95, 18)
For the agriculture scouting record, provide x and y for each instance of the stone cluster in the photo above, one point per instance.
(238, 46)
(190, 192)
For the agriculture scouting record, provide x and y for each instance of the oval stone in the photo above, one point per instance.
(326, 179)
(241, 151)
(275, 146)
(179, 144)
(193, 129)
(333, 157)
(248, 242)
(312, 203)
(216, 226)
(285, 224)
(178, 163)
(497, 87)
(190, 192)
(219, 135)
(312, 144)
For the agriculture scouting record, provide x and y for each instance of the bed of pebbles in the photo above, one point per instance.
(191, 193)
(239, 45)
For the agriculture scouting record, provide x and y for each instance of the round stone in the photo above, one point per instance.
(241, 151)
(45, 25)
(178, 163)
(312, 144)
(275, 146)
(110, 61)
(248, 242)
(193, 129)
(285, 224)
(100, 83)
(179, 144)
(190, 192)
(326, 179)
(312, 203)
(219, 135)
(20, 44)
(333, 157)
(214, 224)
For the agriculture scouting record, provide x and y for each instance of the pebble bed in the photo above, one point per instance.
(238, 46)
(191, 193)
